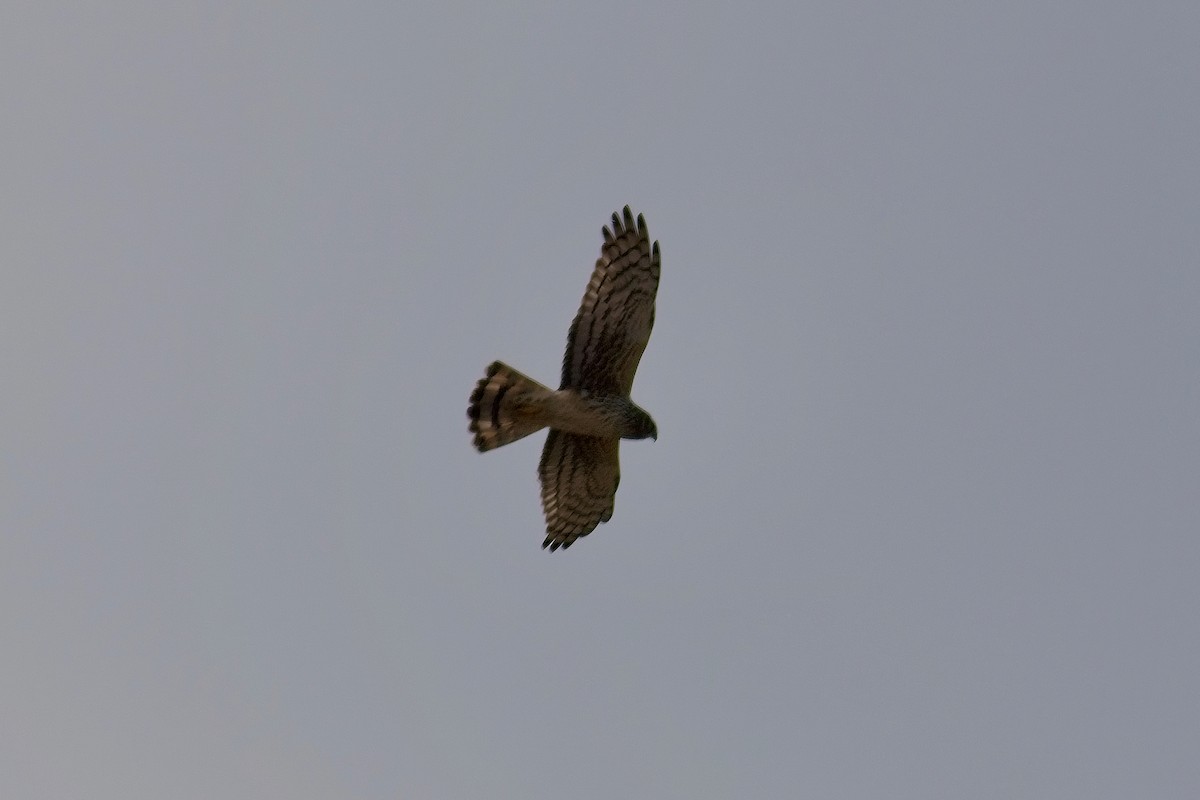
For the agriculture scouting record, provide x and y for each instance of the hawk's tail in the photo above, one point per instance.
(503, 407)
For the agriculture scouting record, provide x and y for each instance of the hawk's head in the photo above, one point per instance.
(639, 425)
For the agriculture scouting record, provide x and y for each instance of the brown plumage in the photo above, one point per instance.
(591, 411)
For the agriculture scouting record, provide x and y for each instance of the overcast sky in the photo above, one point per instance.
(922, 519)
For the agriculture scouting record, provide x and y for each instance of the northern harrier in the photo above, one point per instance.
(591, 411)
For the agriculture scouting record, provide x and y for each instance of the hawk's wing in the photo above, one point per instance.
(614, 321)
(579, 483)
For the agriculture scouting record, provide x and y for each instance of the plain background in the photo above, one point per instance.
(922, 518)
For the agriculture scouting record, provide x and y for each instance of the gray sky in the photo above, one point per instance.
(922, 517)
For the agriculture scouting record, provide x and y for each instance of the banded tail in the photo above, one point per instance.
(504, 407)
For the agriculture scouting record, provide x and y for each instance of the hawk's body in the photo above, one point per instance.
(591, 411)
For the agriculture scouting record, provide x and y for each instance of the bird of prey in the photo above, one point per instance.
(591, 411)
